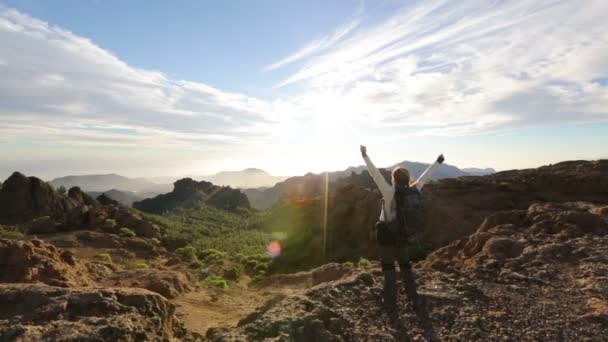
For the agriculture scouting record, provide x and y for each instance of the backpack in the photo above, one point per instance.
(409, 209)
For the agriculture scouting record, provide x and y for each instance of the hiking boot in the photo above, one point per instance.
(410, 287)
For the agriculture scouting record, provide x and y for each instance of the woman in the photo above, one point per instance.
(396, 249)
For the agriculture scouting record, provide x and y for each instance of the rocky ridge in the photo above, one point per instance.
(190, 193)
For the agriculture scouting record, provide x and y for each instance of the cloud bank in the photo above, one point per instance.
(60, 87)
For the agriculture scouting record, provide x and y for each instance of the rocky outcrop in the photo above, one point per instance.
(36, 261)
(540, 274)
(189, 193)
(168, 283)
(42, 210)
(45, 313)
(25, 198)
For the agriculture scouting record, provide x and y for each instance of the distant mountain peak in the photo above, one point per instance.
(255, 170)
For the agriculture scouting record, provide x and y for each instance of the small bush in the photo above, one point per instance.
(258, 277)
(349, 264)
(11, 234)
(211, 255)
(250, 265)
(104, 257)
(233, 273)
(364, 263)
(215, 281)
(155, 241)
(136, 265)
(124, 231)
(196, 264)
(62, 190)
(109, 224)
(260, 268)
(238, 257)
(187, 254)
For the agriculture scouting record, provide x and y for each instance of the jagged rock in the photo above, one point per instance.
(189, 193)
(23, 199)
(45, 313)
(38, 261)
(79, 196)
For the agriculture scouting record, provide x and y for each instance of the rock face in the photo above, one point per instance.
(189, 193)
(540, 274)
(454, 207)
(46, 313)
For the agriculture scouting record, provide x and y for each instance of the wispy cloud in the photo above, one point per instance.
(466, 67)
(315, 46)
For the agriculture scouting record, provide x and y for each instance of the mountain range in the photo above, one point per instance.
(262, 188)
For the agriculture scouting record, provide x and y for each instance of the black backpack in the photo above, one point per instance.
(409, 209)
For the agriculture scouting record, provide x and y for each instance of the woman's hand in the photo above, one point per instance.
(363, 151)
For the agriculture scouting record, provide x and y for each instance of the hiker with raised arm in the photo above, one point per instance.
(401, 209)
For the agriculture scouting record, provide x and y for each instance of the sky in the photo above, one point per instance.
(151, 88)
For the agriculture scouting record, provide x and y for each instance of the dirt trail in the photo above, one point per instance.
(205, 308)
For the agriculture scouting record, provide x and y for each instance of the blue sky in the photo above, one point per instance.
(150, 88)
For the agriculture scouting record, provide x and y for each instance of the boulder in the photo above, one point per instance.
(36, 261)
(46, 313)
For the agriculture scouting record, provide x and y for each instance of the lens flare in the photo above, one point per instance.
(274, 249)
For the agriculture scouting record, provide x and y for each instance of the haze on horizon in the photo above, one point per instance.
(150, 89)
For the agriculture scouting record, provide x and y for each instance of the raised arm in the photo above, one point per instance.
(382, 184)
(428, 173)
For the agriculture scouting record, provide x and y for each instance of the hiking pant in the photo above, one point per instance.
(388, 256)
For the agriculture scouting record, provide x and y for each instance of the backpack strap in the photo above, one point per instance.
(383, 213)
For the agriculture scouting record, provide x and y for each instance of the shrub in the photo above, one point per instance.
(258, 277)
(62, 190)
(124, 231)
(136, 265)
(211, 255)
(11, 234)
(364, 263)
(155, 241)
(348, 264)
(104, 257)
(215, 281)
(109, 224)
(196, 264)
(233, 273)
(250, 265)
(260, 268)
(187, 254)
(238, 257)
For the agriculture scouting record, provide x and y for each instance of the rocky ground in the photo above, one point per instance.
(535, 275)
